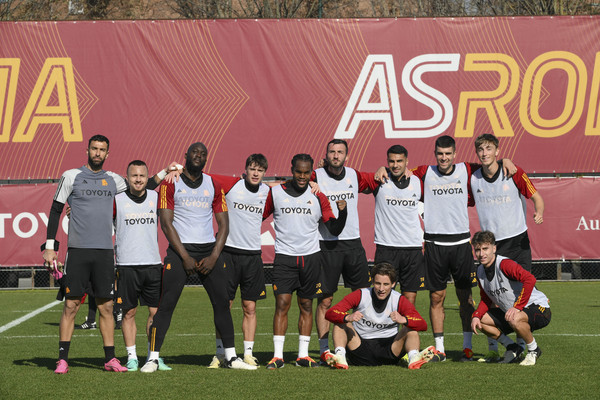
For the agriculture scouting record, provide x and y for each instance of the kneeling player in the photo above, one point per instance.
(521, 307)
(372, 335)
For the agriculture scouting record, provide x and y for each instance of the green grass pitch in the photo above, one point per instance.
(568, 369)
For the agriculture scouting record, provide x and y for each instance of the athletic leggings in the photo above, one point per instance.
(173, 281)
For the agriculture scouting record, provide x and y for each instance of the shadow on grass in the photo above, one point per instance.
(50, 363)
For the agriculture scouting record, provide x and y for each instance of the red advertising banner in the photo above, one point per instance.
(571, 222)
(282, 87)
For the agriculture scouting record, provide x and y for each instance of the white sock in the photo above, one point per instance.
(230, 353)
(278, 341)
(220, 348)
(131, 353)
(521, 343)
(153, 356)
(323, 345)
(467, 336)
(505, 340)
(248, 347)
(340, 350)
(303, 342)
(439, 343)
(413, 354)
(492, 344)
(532, 346)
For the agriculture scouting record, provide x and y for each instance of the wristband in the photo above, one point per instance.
(49, 244)
(161, 175)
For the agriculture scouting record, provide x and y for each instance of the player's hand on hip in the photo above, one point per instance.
(189, 265)
(341, 204)
(206, 265)
(475, 324)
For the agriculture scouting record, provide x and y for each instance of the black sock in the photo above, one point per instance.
(63, 350)
(109, 353)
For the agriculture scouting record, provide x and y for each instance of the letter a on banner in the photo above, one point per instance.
(379, 74)
(52, 101)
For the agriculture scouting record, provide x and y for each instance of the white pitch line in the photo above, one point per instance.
(28, 316)
(269, 334)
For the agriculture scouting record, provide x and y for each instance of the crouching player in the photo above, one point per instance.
(383, 326)
(521, 307)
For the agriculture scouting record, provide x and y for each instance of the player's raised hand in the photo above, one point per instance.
(381, 175)
(475, 324)
(341, 204)
(173, 172)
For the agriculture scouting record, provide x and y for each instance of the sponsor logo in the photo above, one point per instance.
(119, 300)
(449, 188)
(96, 192)
(296, 210)
(498, 291)
(499, 199)
(248, 207)
(340, 196)
(377, 325)
(140, 219)
(194, 201)
(168, 266)
(274, 287)
(263, 293)
(104, 183)
(67, 290)
(393, 201)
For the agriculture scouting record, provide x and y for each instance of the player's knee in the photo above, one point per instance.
(130, 314)
(325, 302)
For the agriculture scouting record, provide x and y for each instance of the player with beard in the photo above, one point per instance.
(297, 265)
(343, 254)
(90, 192)
(187, 207)
(397, 205)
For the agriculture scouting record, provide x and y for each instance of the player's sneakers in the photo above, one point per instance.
(61, 367)
(251, 360)
(217, 361)
(132, 365)
(339, 361)
(513, 351)
(532, 356)
(327, 358)
(118, 319)
(306, 362)
(114, 365)
(438, 356)
(467, 355)
(275, 363)
(150, 366)
(238, 363)
(87, 325)
(162, 366)
(424, 357)
(490, 357)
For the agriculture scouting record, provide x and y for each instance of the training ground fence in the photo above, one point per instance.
(557, 270)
